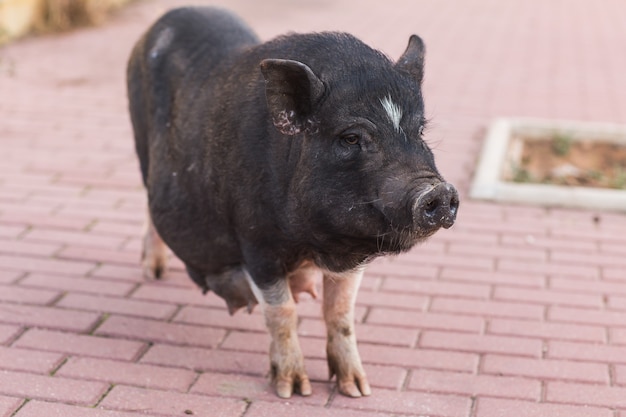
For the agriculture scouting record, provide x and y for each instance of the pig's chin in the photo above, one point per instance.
(398, 241)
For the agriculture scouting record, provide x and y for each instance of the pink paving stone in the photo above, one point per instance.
(200, 359)
(160, 331)
(586, 352)
(500, 252)
(422, 321)
(481, 226)
(219, 317)
(495, 407)
(252, 388)
(545, 368)
(484, 262)
(19, 247)
(487, 308)
(392, 300)
(599, 259)
(617, 336)
(83, 345)
(481, 343)
(170, 403)
(125, 306)
(76, 179)
(386, 268)
(50, 317)
(589, 286)
(546, 330)
(8, 405)
(114, 228)
(616, 302)
(51, 388)
(36, 408)
(82, 253)
(188, 295)
(18, 294)
(418, 358)
(526, 240)
(71, 237)
(475, 385)
(125, 373)
(8, 332)
(548, 296)
(295, 408)
(427, 287)
(51, 221)
(615, 274)
(553, 269)
(77, 284)
(586, 316)
(619, 375)
(385, 376)
(495, 277)
(11, 231)
(45, 265)
(17, 359)
(586, 394)
(414, 403)
(120, 272)
(9, 277)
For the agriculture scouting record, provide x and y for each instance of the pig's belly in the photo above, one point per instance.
(234, 288)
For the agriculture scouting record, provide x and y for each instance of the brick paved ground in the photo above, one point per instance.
(516, 311)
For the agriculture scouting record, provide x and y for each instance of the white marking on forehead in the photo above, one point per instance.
(163, 41)
(394, 112)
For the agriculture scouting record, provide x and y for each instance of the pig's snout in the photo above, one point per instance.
(437, 206)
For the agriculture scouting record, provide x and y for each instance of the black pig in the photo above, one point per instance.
(270, 165)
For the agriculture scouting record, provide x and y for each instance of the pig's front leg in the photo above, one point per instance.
(286, 360)
(340, 292)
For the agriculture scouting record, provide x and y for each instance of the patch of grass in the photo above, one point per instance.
(561, 143)
(619, 181)
(521, 174)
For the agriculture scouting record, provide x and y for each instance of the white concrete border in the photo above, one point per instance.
(488, 184)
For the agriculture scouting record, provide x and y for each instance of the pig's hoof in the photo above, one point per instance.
(354, 386)
(295, 381)
(351, 380)
(285, 387)
(153, 266)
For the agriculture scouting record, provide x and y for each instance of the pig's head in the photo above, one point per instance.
(358, 166)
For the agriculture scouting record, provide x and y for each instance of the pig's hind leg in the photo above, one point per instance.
(286, 359)
(340, 292)
(154, 254)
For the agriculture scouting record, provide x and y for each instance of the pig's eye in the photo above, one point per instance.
(351, 139)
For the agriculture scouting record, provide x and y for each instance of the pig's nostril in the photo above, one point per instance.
(454, 205)
(431, 207)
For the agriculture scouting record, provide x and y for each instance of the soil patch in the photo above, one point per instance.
(559, 160)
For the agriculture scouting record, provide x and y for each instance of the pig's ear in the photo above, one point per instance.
(412, 60)
(291, 89)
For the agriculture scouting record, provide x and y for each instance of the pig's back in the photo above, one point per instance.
(180, 51)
